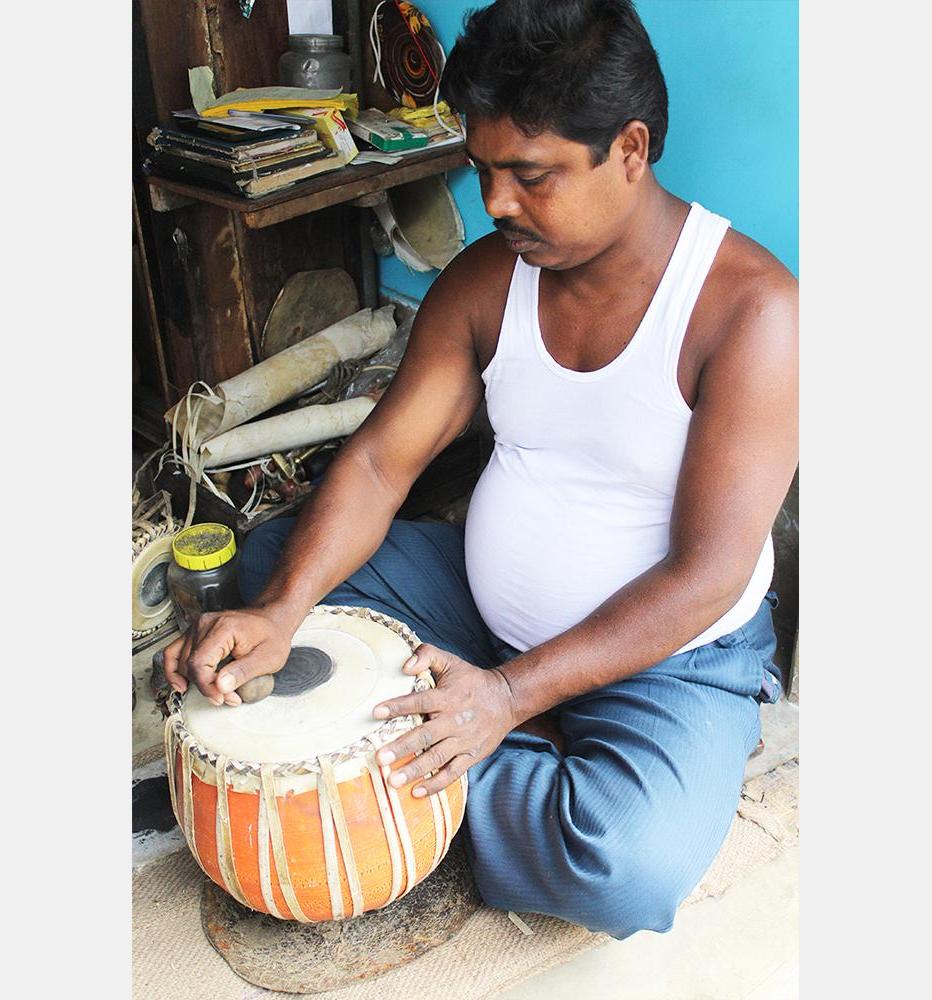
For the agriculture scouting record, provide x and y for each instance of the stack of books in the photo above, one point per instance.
(245, 154)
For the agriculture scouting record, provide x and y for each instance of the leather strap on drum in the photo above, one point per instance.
(447, 819)
(440, 830)
(278, 843)
(224, 835)
(265, 873)
(330, 852)
(388, 820)
(170, 763)
(343, 834)
(401, 824)
(188, 797)
(443, 824)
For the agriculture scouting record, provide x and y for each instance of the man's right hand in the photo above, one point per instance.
(257, 640)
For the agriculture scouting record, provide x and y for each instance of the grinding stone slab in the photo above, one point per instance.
(292, 957)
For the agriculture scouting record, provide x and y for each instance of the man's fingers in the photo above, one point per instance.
(445, 776)
(419, 703)
(417, 740)
(172, 666)
(205, 679)
(199, 657)
(428, 657)
(216, 643)
(431, 760)
(244, 668)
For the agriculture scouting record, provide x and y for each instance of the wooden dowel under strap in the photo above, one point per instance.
(225, 859)
(343, 834)
(278, 843)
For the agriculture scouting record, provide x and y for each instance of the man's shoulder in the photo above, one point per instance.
(747, 277)
(747, 330)
(746, 315)
(748, 295)
(472, 290)
(481, 269)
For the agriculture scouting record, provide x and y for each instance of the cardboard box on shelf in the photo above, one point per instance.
(331, 130)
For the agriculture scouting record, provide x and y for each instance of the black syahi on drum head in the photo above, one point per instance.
(306, 667)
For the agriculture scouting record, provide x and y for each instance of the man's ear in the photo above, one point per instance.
(630, 148)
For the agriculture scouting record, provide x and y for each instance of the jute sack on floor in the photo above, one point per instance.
(172, 957)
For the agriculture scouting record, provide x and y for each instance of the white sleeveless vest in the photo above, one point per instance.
(576, 499)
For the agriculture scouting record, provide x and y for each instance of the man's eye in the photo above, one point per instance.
(531, 181)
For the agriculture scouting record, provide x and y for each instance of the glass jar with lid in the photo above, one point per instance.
(317, 62)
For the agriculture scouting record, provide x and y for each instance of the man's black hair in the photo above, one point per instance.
(580, 68)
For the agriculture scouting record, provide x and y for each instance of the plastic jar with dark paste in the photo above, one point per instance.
(202, 576)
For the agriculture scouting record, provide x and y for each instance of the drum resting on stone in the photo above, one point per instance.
(282, 802)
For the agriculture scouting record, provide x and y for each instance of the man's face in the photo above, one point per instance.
(551, 205)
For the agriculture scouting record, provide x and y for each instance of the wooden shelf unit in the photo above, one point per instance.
(215, 262)
(343, 185)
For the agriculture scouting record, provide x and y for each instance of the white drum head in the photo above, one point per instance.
(367, 660)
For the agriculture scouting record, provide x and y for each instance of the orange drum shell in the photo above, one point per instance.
(302, 834)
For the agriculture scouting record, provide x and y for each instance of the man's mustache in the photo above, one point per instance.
(508, 226)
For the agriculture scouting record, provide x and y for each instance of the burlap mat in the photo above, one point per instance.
(172, 957)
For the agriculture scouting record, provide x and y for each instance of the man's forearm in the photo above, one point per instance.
(640, 625)
(341, 525)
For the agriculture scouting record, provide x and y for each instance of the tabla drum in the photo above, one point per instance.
(282, 803)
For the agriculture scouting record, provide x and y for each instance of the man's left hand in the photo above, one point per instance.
(468, 714)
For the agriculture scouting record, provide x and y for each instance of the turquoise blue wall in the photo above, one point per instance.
(731, 68)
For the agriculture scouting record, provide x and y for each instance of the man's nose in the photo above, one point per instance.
(499, 198)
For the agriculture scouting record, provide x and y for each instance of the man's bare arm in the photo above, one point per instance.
(429, 403)
(432, 398)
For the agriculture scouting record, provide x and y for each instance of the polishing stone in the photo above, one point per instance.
(256, 688)
(292, 957)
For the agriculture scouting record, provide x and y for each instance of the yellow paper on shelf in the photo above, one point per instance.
(331, 130)
(424, 118)
(415, 115)
(279, 98)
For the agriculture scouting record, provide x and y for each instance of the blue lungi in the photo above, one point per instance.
(614, 834)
